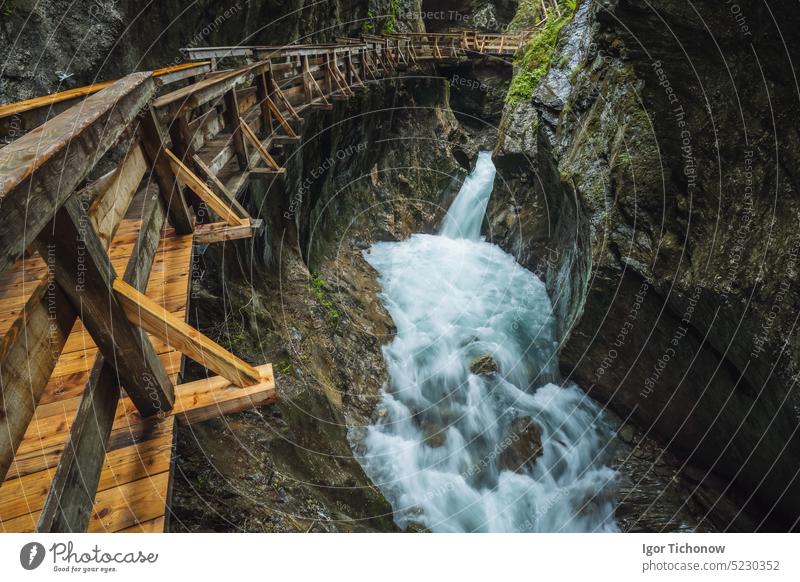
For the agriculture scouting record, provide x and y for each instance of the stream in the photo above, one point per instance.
(473, 435)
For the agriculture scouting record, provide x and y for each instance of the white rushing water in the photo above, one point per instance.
(443, 449)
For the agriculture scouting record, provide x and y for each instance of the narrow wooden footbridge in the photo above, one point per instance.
(105, 191)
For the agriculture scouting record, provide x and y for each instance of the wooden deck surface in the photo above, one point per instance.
(134, 484)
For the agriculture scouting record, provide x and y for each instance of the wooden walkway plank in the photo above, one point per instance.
(73, 488)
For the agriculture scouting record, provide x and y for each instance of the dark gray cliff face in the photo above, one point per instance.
(662, 150)
(54, 45)
(441, 15)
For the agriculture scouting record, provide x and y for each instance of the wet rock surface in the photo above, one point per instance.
(525, 447)
(665, 235)
(483, 365)
(69, 44)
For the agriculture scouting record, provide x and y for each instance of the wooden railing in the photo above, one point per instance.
(446, 45)
(202, 144)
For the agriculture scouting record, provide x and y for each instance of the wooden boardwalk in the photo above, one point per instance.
(134, 484)
(94, 275)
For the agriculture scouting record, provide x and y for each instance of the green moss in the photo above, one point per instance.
(391, 23)
(533, 61)
(368, 25)
(317, 286)
(8, 8)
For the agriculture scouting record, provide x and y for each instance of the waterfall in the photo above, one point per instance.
(465, 216)
(469, 398)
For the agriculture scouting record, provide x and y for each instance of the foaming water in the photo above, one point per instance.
(447, 451)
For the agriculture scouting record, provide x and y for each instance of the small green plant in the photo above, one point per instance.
(368, 25)
(317, 285)
(285, 367)
(8, 8)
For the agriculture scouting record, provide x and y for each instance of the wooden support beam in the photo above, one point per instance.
(83, 270)
(155, 319)
(310, 84)
(336, 78)
(369, 69)
(33, 183)
(114, 193)
(240, 210)
(72, 491)
(281, 119)
(210, 397)
(285, 140)
(286, 104)
(264, 172)
(353, 77)
(182, 147)
(153, 146)
(185, 175)
(256, 143)
(231, 116)
(221, 232)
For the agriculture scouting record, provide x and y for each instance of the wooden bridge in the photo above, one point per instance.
(103, 194)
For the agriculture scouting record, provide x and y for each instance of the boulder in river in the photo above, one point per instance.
(525, 445)
(483, 365)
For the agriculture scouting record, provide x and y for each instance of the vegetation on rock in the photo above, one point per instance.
(532, 62)
(317, 286)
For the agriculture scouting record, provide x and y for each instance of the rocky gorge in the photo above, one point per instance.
(645, 174)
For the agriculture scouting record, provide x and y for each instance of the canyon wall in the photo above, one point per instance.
(54, 45)
(654, 170)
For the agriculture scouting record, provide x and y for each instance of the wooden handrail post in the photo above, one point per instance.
(306, 81)
(170, 190)
(232, 122)
(262, 94)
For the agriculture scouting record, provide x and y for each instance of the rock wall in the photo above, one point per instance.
(54, 45)
(493, 16)
(660, 153)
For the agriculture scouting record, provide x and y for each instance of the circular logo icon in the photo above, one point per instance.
(31, 555)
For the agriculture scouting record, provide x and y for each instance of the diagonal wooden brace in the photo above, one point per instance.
(155, 319)
(83, 270)
(185, 175)
(251, 137)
